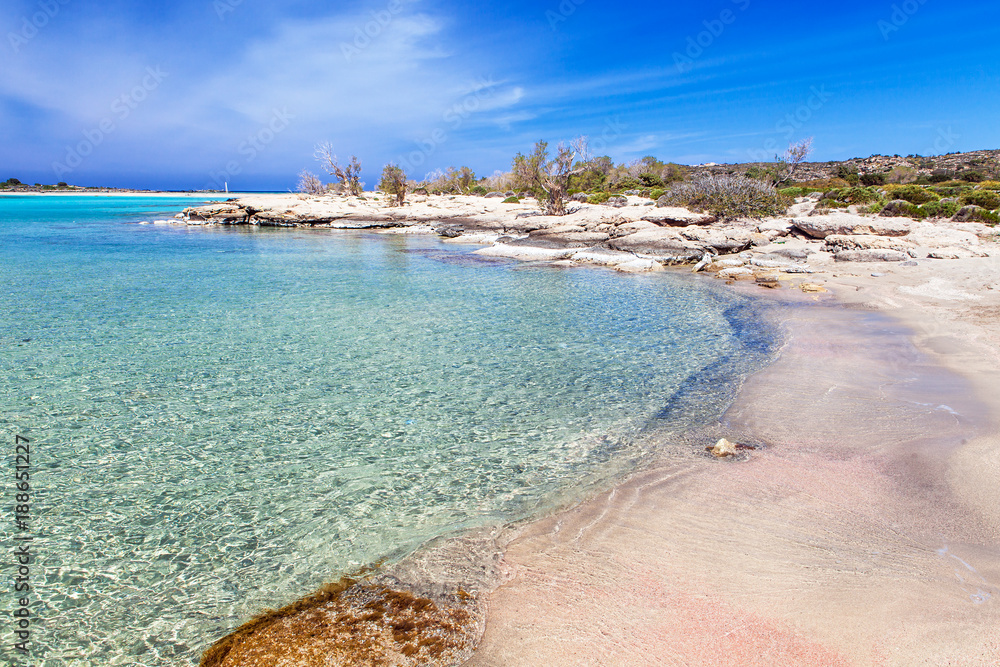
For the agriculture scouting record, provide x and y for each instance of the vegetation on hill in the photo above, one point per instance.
(960, 186)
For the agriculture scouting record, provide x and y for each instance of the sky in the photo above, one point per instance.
(195, 94)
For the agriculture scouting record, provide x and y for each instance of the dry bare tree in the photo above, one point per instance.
(795, 155)
(309, 183)
(349, 175)
(548, 180)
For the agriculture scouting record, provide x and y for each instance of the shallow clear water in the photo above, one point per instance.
(223, 419)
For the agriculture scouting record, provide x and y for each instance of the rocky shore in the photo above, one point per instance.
(634, 236)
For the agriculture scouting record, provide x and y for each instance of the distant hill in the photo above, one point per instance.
(972, 166)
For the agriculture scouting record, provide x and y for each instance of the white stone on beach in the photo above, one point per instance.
(723, 448)
(737, 273)
(639, 265)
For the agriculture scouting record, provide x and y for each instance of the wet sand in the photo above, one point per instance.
(865, 533)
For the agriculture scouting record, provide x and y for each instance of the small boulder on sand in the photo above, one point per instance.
(722, 449)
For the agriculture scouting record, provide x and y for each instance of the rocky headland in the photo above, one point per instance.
(632, 234)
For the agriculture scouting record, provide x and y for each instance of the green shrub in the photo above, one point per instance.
(911, 193)
(847, 173)
(873, 209)
(511, 200)
(651, 180)
(797, 191)
(988, 199)
(971, 176)
(939, 209)
(872, 179)
(478, 190)
(940, 176)
(989, 185)
(976, 214)
(831, 203)
(856, 195)
(950, 191)
(727, 197)
(656, 194)
(824, 184)
(599, 198)
(900, 208)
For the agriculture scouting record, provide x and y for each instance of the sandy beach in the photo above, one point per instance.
(862, 532)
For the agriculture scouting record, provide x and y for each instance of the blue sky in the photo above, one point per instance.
(189, 94)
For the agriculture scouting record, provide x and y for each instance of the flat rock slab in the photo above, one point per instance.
(872, 255)
(657, 242)
(838, 242)
(570, 239)
(821, 226)
(525, 253)
(602, 257)
(677, 217)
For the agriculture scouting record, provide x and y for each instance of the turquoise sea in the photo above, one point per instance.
(221, 419)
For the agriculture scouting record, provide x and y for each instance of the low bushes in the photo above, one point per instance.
(977, 214)
(798, 191)
(900, 208)
(873, 179)
(988, 199)
(727, 197)
(911, 193)
(940, 209)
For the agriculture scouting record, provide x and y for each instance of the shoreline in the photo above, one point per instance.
(899, 289)
(198, 196)
(748, 587)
